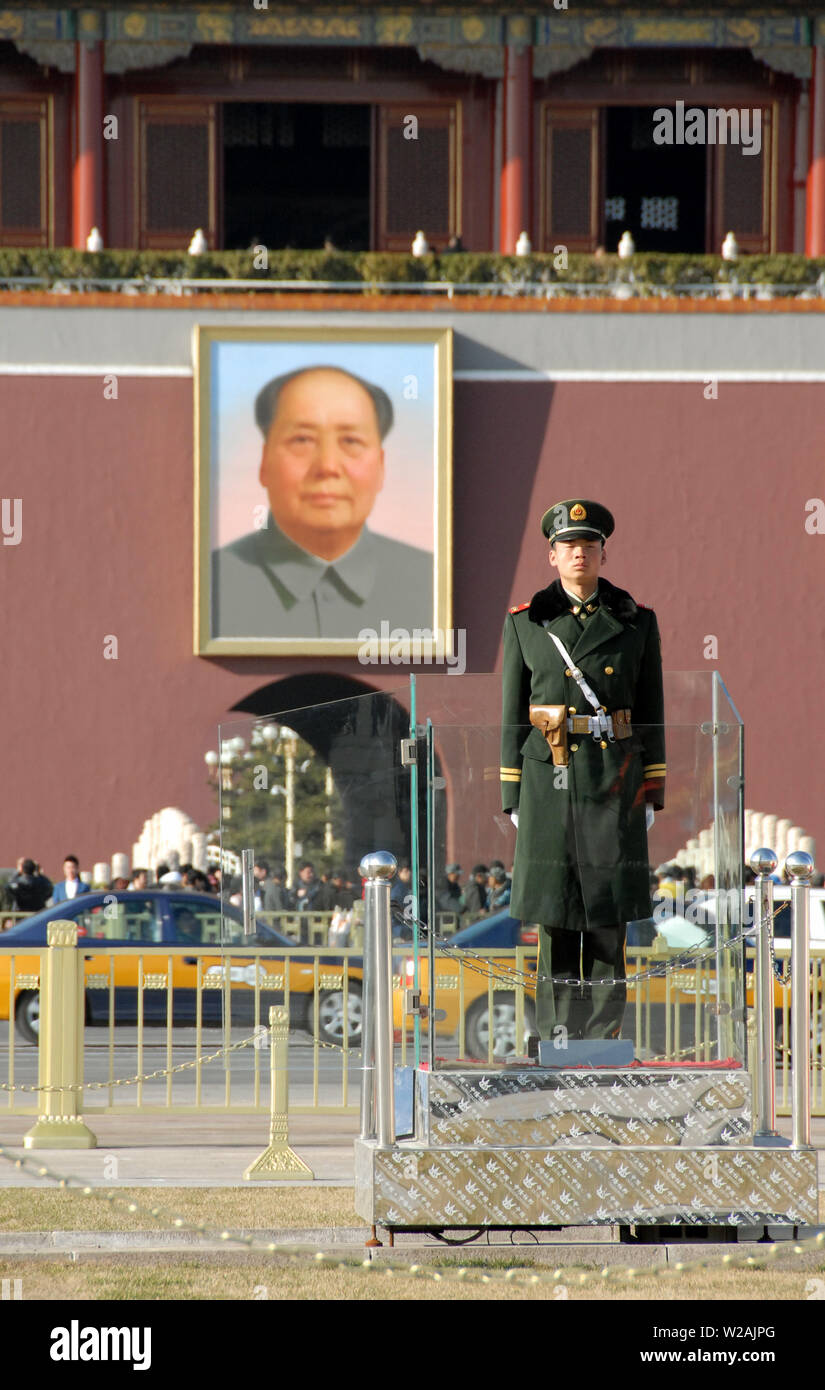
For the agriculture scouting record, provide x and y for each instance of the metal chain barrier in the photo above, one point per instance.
(473, 961)
(689, 957)
(437, 1273)
(255, 1040)
(487, 968)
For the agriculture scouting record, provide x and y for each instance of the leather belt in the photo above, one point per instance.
(589, 724)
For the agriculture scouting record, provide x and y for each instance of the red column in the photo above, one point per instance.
(815, 220)
(516, 171)
(802, 131)
(87, 174)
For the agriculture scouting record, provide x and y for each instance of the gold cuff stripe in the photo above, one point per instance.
(511, 776)
(510, 769)
(648, 766)
(654, 772)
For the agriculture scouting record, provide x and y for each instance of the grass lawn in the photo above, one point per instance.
(236, 1273)
(168, 1277)
(236, 1209)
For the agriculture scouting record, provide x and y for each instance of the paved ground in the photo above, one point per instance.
(205, 1151)
(182, 1150)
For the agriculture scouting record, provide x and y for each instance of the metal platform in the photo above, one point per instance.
(584, 1108)
(539, 1148)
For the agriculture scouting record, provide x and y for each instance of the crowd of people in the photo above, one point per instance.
(487, 890)
(29, 889)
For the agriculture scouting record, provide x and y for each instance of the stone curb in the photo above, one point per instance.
(338, 1240)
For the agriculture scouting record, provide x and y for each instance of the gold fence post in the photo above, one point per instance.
(60, 1045)
(278, 1159)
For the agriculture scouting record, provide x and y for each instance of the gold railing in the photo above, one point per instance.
(186, 1027)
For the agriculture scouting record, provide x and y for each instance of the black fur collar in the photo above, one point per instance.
(551, 602)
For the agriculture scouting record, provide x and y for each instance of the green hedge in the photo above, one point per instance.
(371, 267)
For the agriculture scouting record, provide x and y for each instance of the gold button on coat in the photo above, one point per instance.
(567, 671)
(608, 670)
(574, 748)
(571, 709)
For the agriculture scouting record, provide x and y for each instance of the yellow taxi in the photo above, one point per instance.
(177, 987)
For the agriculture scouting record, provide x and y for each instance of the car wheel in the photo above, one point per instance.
(331, 1027)
(27, 1015)
(477, 1027)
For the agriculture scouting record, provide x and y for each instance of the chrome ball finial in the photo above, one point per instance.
(763, 861)
(799, 866)
(379, 864)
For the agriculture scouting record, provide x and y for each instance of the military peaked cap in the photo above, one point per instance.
(577, 519)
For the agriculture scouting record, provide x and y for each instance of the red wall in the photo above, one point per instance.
(709, 499)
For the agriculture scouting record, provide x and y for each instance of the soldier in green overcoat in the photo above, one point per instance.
(582, 811)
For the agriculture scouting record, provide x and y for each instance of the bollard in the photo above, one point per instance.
(378, 868)
(60, 1045)
(278, 1160)
(799, 867)
(763, 863)
(368, 1032)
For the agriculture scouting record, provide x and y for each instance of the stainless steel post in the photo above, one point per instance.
(378, 868)
(763, 863)
(799, 867)
(368, 1028)
(721, 914)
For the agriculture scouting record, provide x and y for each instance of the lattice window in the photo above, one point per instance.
(24, 173)
(661, 213)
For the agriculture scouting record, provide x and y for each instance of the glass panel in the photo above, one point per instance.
(729, 864)
(584, 859)
(310, 791)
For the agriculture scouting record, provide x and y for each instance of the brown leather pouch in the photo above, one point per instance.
(622, 727)
(551, 721)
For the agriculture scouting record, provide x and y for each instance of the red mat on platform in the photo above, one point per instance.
(473, 1064)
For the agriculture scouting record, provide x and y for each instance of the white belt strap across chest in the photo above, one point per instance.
(601, 724)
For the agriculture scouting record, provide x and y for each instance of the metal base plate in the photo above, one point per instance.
(587, 1052)
(411, 1185)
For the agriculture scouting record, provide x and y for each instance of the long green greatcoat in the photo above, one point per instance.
(581, 848)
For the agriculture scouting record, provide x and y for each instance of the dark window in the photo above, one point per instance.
(295, 174)
(177, 177)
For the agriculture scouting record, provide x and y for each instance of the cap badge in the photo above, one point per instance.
(578, 512)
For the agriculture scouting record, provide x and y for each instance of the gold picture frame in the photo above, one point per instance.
(250, 564)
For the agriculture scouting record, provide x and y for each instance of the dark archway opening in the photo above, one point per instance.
(357, 731)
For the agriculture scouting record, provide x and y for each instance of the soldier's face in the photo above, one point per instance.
(322, 464)
(578, 562)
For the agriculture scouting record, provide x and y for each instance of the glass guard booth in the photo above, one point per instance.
(416, 771)
(479, 1135)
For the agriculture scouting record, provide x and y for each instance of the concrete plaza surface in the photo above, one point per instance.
(181, 1150)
